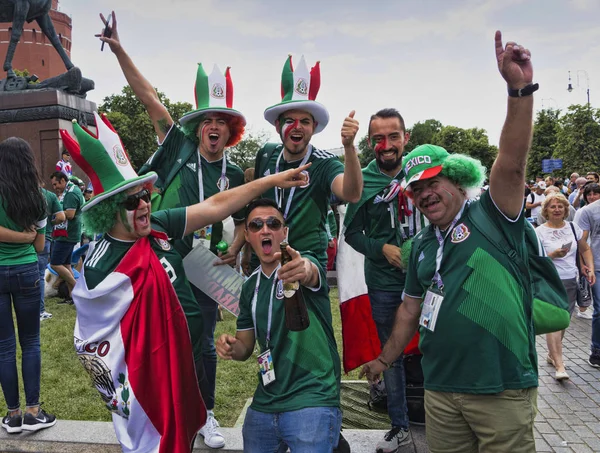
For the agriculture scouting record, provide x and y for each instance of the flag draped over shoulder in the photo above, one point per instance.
(132, 337)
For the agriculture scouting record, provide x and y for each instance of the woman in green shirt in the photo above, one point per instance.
(22, 209)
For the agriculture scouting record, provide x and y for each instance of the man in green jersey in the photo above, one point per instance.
(296, 402)
(56, 216)
(68, 233)
(191, 167)
(297, 118)
(469, 298)
(377, 227)
(121, 210)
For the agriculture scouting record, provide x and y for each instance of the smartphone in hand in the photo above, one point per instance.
(567, 246)
(107, 31)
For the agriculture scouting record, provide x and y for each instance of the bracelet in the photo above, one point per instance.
(387, 365)
(525, 91)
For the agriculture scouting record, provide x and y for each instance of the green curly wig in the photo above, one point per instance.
(101, 218)
(464, 171)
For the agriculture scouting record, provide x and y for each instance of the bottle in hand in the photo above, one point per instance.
(296, 314)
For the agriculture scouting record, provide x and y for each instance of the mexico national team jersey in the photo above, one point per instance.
(307, 209)
(483, 341)
(307, 364)
(109, 252)
(183, 189)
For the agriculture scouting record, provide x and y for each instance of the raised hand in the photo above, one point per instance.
(297, 270)
(113, 41)
(349, 130)
(514, 63)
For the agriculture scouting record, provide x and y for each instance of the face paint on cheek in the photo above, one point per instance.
(381, 146)
(287, 129)
(202, 132)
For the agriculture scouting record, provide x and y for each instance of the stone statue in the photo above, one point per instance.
(19, 11)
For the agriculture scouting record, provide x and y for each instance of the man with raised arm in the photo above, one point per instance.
(473, 305)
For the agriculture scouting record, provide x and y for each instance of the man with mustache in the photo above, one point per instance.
(471, 300)
(297, 118)
(378, 226)
(191, 167)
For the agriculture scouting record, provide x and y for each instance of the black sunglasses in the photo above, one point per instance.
(273, 223)
(133, 201)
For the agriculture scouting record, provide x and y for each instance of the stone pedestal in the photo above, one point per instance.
(37, 116)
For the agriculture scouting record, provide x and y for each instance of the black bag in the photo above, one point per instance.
(415, 393)
(377, 397)
(584, 290)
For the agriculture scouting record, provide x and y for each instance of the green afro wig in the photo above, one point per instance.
(101, 218)
(464, 171)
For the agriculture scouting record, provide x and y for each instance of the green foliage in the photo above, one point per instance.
(366, 154)
(244, 153)
(129, 117)
(543, 144)
(578, 139)
(422, 133)
(472, 142)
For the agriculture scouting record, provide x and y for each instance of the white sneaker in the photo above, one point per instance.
(210, 432)
(45, 315)
(584, 314)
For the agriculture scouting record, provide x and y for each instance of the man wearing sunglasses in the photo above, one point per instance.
(296, 402)
(297, 118)
(132, 290)
(191, 167)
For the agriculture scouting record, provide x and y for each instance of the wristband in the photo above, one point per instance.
(525, 91)
(387, 365)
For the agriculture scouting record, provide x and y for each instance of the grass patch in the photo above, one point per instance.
(68, 393)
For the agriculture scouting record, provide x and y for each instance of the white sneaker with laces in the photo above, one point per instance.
(45, 315)
(210, 432)
(584, 314)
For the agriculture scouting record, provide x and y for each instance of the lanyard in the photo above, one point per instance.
(254, 300)
(222, 180)
(437, 278)
(279, 197)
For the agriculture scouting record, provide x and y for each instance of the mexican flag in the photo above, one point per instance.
(132, 338)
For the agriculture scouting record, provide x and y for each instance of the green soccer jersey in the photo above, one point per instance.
(72, 200)
(373, 226)
(13, 254)
(53, 207)
(307, 209)
(484, 340)
(306, 363)
(108, 253)
(176, 162)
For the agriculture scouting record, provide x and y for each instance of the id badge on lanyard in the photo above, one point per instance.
(431, 308)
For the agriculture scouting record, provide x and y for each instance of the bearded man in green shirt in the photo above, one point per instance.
(470, 299)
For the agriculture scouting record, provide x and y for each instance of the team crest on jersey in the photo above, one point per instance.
(301, 87)
(120, 157)
(163, 244)
(217, 91)
(460, 233)
(223, 183)
(307, 174)
(279, 291)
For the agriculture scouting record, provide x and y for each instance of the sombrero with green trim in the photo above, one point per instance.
(213, 94)
(299, 89)
(103, 158)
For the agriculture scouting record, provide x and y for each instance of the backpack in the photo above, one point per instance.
(528, 211)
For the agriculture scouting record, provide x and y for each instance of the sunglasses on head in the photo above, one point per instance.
(133, 201)
(273, 223)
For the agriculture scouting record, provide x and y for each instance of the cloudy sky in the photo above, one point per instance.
(427, 58)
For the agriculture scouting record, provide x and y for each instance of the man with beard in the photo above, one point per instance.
(297, 118)
(471, 299)
(377, 226)
(191, 167)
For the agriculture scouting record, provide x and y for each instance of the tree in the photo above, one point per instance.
(129, 117)
(244, 153)
(422, 133)
(366, 154)
(578, 139)
(472, 142)
(543, 143)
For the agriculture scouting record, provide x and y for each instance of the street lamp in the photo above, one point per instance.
(587, 80)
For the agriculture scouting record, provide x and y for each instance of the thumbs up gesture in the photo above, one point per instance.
(349, 130)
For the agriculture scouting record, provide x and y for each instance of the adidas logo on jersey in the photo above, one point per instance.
(179, 160)
(191, 166)
(421, 257)
(267, 173)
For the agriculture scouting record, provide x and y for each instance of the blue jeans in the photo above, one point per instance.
(209, 353)
(310, 430)
(43, 258)
(383, 308)
(20, 283)
(596, 317)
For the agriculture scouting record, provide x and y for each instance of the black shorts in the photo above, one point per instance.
(61, 253)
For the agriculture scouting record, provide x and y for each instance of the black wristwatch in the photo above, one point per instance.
(525, 91)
